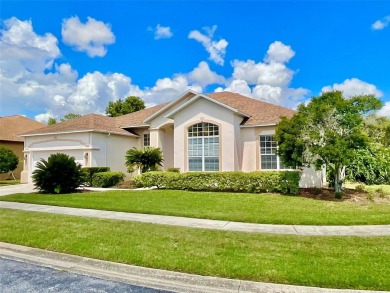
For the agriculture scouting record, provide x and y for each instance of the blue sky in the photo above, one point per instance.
(75, 56)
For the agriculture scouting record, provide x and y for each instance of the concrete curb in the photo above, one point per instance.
(153, 278)
(362, 230)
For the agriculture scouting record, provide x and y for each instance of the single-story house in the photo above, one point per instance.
(220, 131)
(10, 128)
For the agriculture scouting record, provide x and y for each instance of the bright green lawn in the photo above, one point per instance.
(338, 262)
(241, 207)
(9, 182)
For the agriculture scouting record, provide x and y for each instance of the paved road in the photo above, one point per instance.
(24, 277)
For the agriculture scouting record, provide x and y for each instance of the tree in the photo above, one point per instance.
(59, 174)
(327, 131)
(378, 129)
(146, 159)
(8, 160)
(51, 121)
(120, 107)
(70, 116)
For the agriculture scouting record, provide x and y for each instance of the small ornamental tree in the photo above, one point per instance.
(8, 160)
(59, 174)
(327, 131)
(146, 159)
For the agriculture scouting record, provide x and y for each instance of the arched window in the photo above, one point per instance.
(203, 147)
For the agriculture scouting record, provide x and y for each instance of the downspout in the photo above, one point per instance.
(105, 149)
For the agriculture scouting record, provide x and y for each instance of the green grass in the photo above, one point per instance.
(9, 182)
(241, 207)
(385, 188)
(337, 262)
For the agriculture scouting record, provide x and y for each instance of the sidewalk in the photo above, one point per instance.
(153, 278)
(363, 230)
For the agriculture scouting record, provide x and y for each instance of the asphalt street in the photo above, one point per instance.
(22, 277)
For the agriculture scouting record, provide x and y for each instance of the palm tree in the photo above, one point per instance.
(146, 159)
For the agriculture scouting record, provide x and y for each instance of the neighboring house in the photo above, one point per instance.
(220, 131)
(10, 128)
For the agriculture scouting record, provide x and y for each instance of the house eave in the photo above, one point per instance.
(258, 125)
(79, 131)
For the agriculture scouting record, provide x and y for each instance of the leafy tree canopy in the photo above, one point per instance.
(378, 129)
(8, 160)
(327, 131)
(123, 107)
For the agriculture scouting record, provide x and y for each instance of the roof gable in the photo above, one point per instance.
(12, 126)
(201, 96)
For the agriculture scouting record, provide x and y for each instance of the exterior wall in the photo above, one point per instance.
(110, 150)
(89, 149)
(206, 111)
(17, 147)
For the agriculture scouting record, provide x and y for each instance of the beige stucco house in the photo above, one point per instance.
(10, 128)
(220, 131)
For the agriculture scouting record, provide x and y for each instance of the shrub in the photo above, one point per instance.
(360, 187)
(146, 159)
(284, 182)
(90, 171)
(8, 160)
(107, 179)
(175, 170)
(59, 174)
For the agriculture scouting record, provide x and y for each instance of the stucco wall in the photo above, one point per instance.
(205, 111)
(17, 148)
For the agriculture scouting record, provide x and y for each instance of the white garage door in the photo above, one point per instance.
(37, 156)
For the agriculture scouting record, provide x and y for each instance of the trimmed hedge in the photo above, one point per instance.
(88, 173)
(273, 181)
(107, 179)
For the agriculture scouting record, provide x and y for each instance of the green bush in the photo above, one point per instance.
(175, 170)
(107, 179)
(59, 174)
(90, 171)
(285, 181)
(8, 160)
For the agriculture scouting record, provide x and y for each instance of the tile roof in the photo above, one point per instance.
(137, 118)
(87, 122)
(260, 112)
(12, 126)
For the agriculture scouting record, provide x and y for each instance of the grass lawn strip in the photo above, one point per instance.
(335, 262)
(9, 182)
(238, 207)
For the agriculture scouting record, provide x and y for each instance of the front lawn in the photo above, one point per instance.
(240, 207)
(337, 262)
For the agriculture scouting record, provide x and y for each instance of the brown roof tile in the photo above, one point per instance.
(260, 112)
(137, 118)
(12, 126)
(87, 122)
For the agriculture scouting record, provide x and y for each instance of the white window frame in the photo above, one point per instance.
(203, 146)
(146, 139)
(278, 161)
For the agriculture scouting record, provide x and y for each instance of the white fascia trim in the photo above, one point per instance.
(78, 131)
(258, 125)
(136, 126)
(194, 99)
(169, 105)
(59, 148)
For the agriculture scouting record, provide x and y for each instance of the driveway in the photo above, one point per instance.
(18, 188)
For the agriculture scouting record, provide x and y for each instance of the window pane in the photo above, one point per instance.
(146, 139)
(195, 164)
(269, 162)
(211, 164)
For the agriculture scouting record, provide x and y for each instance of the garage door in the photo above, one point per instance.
(37, 156)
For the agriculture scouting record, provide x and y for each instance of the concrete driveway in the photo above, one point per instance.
(18, 188)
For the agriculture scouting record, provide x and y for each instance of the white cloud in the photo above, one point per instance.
(268, 80)
(279, 52)
(91, 37)
(203, 76)
(354, 87)
(385, 111)
(381, 23)
(216, 49)
(162, 32)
